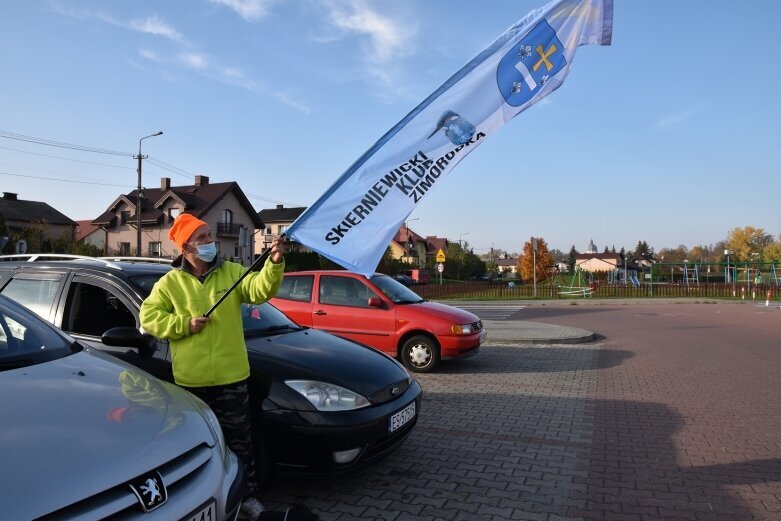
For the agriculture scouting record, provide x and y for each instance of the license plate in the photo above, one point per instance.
(207, 513)
(402, 417)
(483, 336)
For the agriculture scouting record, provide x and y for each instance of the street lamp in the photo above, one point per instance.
(138, 193)
(407, 240)
(459, 239)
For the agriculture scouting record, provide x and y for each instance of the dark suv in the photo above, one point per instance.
(320, 403)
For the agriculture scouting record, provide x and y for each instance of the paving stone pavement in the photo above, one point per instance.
(649, 422)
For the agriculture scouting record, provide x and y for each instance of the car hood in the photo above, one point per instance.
(437, 311)
(79, 425)
(315, 355)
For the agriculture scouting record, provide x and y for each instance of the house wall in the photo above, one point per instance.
(228, 246)
(48, 232)
(596, 264)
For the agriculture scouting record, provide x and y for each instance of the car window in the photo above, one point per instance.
(263, 319)
(145, 282)
(395, 291)
(296, 288)
(25, 339)
(92, 310)
(34, 294)
(344, 291)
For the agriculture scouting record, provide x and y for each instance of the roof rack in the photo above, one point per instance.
(34, 257)
(158, 260)
(110, 262)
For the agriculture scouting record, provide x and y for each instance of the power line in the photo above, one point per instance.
(169, 167)
(60, 144)
(67, 158)
(62, 180)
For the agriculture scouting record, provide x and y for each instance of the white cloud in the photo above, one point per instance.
(154, 25)
(194, 60)
(671, 120)
(287, 100)
(149, 55)
(250, 10)
(387, 38)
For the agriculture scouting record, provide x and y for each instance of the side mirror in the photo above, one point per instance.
(130, 337)
(376, 302)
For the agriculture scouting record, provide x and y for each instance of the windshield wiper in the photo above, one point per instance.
(16, 364)
(273, 329)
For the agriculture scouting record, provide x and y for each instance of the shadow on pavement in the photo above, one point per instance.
(544, 359)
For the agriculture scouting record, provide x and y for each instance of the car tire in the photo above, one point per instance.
(420, 354)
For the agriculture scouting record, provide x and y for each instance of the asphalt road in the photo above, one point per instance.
(674, 413)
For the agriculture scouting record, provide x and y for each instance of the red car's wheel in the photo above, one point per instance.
(420, 354)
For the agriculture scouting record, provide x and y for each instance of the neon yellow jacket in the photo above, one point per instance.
(217, 355)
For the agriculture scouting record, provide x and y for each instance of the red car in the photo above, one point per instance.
(380, 312)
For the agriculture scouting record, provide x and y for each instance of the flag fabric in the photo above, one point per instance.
(353, 222)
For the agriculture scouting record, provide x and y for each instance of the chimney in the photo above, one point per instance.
(9, 196)
(201, 180)
(279, 206)
(165, 183)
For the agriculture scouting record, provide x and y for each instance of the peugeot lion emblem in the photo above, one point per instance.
(150, 491)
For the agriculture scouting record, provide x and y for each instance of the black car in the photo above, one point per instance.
(320, 403)
(404, 279)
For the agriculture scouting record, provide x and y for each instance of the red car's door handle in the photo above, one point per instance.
(319, 312)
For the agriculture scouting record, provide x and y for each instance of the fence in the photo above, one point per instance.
(503, 291)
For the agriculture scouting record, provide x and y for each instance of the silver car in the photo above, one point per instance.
(86, 436)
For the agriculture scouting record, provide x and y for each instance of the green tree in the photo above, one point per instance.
(571, 259)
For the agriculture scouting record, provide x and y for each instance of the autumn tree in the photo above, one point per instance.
(742, 242)
(679, 254)
(528, 259)
(772, 252)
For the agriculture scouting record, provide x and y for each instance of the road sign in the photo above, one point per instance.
(440, 256)
(440, 267)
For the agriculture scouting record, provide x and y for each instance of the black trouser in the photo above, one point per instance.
(231, 405)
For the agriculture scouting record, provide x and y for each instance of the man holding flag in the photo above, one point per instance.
(354, 220)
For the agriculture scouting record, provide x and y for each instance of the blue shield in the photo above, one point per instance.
(529, 64)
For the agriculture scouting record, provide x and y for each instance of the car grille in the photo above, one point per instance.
(386, 394)
(477, 326)
(119, 502)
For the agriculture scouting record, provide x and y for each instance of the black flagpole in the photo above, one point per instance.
(254, 265)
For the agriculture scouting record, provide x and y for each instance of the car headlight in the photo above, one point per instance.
(214, 425)
(328, 397)
(462, 329)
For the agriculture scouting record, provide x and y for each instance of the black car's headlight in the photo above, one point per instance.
(328, 397)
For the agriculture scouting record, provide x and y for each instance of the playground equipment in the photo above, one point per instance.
(620, 275)
(691, 274)
(578, 286)
(774, 276)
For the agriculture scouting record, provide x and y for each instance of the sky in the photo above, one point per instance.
(668, 136)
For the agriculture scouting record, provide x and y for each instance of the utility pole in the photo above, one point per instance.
(534, 265)
(138, 195)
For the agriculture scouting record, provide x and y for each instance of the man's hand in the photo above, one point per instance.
(277, 250)
(197, 324)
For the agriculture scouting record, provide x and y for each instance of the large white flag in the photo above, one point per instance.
(353, 222)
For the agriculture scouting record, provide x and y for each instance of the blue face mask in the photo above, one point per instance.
(207, 252)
